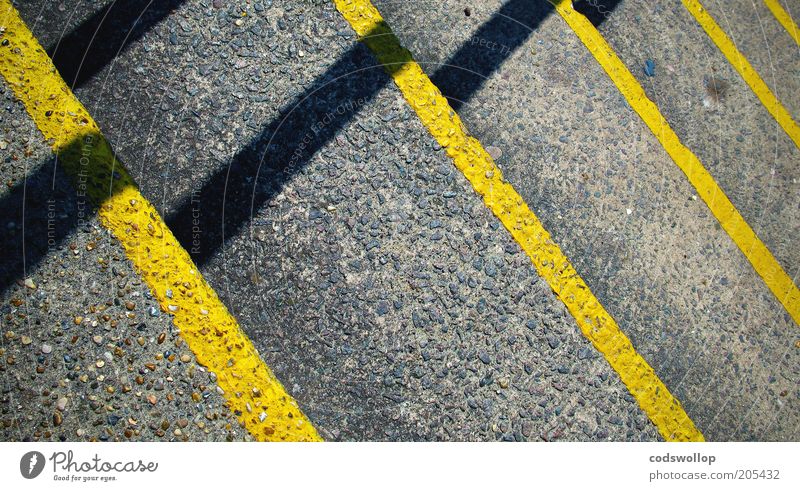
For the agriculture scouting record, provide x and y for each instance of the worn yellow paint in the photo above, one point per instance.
(209, 330)
(503, 200)
(746, 71)
(707, 188)
(784, 18)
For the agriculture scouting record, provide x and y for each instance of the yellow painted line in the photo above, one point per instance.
(502, 199)
(251, 390)
(746, 71)
(707, 188)
(784, 18)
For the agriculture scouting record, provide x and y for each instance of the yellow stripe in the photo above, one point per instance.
(784, 18)
(732, 222)
(500, 197)
(747, 72)
(250, 388)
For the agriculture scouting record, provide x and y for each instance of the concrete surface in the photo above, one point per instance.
(372, 279)
(87, 355)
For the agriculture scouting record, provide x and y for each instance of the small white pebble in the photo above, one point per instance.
(494, 152)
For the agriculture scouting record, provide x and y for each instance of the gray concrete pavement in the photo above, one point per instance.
(373, 280)
(87, 355)
(626, 215)
(746, 151)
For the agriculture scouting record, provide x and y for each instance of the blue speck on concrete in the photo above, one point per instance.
(650, 68)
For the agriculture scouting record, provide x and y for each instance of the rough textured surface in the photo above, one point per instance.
(621, 209)
(373, 280)
(728, 128)
(251, 390)
(478, 167)
(86, 352)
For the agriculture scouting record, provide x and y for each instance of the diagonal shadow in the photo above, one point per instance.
(37, 216)
(83, 52)
(225, 203)
(495, 41)
(597, 11)
(224, 214)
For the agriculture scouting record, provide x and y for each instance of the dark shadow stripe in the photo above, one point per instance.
(43, 218)
(494, 42)
(282, 149)
(234, 191)
(597, 11)
(97, 41)
(488, 48)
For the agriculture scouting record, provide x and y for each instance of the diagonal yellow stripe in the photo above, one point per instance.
(784, 18)
(251, 390)
(502, 199)
(746, 71)
(707, 188)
